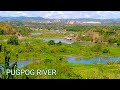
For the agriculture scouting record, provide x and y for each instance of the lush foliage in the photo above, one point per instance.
(13, 40)
(23, 30)
(54, 55)
(2, 32)
(7, 65)
(51, 42)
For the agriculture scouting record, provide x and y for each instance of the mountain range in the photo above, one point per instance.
(20, 18)
(23, 18)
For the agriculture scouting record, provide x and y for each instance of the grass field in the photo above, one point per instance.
(55, 56)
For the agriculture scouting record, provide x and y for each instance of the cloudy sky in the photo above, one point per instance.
(63, 14)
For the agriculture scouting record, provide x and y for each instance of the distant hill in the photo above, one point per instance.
(21, 18)
(8, 29)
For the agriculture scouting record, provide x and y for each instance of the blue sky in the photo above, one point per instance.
(63, 14)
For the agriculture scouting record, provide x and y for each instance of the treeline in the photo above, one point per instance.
(49, 26)
(94, 28)
(109, 34)
(23, 30)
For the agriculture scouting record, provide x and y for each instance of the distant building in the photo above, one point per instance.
(70, 37)
(91, 22)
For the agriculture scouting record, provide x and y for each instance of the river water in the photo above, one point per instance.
(96, 60)
(20, 63)
(57, 40)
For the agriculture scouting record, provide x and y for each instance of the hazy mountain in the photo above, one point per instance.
(117, 20)
(21, 18)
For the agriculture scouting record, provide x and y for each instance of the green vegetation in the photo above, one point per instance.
(51, 42)
(23, 30)
(66, 70)
(118, 42)
(13, 40)
(7, 66)
(89, 41)
(59, 43)
(2, 32)
(0, 47)
(6, 28)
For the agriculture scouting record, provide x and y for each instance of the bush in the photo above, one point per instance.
(24, 31)
(96, 48)
(61, 58)
(2, 32)
(53, 51)
(48, 60)
(106, 50)
(59, 43)
(20, 50)
(118, 42)
(112, 40)
(51, 42)
(62, 50)
(13, 40)
(0, 47)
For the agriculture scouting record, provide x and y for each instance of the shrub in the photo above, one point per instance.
(2, 32)
(51, 42)
(61, 58)
(106, 50)
(112, 40)
(96, 48)
(20, 50)
(53, 51)
(24, 31)
(118, 42)
(48, 60)
(62, 50)
(59, 43)
(98, 41)
(0, 47)
(13, 40)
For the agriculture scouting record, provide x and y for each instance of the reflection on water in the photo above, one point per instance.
(96, 60)
(20, 63)
(57, 40)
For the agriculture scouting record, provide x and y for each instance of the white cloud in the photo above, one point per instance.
(20, 13)
(63, 14)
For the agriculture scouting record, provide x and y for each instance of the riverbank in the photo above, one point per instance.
(67, 70)
(33, 48)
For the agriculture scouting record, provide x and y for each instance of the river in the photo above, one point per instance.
(96, 60)
(56, 40)
(20, 63)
